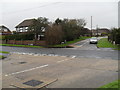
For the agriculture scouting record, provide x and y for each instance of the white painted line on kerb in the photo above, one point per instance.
(28, 70)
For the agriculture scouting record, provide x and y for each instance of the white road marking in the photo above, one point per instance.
(36, 55)
(97, 57)
(82, 44)
(73, 56)
(27, 70)
(55, 55)
(62, 60)
(63, 56)
(51, 55)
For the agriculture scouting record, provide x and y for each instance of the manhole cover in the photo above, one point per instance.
(33, 83)
(22, 62)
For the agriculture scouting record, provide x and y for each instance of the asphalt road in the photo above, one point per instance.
(85, 66)
(82, 49)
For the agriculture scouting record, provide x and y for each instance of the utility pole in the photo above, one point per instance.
(91, 26)
(97, 29)
(119, 14)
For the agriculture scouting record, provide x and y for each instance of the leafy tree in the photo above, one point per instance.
(72, 28)
(38, 26)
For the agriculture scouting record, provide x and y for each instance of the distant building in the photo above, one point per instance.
(85, 32)
(119, 14)
(100, 32)
(4, 30)
(23, 26)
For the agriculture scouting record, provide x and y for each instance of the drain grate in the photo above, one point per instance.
(22, 62)
(33, 83)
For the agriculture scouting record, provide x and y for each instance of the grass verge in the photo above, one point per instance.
(4, 52)
(104, 43)
(20, 45)
(115, 84)
(69, 42)
(2, 57)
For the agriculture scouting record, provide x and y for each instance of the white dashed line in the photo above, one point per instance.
(36, 55)
(28, 70)
(62, 60)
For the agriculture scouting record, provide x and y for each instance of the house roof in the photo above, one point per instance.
(4, 29)
(25, 23)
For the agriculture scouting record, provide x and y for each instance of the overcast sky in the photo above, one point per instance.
(105, 14)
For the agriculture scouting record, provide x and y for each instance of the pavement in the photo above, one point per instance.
(57, 71)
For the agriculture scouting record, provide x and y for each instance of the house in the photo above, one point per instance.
(23, 26)
(100, 32)
(4, 30)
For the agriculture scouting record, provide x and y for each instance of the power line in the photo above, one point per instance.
(33, 8)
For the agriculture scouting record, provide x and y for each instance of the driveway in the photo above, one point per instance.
(57, 71)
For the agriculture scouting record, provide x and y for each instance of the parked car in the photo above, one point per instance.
(93, 40)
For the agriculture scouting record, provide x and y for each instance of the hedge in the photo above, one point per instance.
(19, 37)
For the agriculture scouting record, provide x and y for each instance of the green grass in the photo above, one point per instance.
(4, 52)
(115, 84)
(20, 45)
(104, 43)
(69, 42)
(2, 57)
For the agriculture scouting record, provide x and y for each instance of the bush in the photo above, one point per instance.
(114, 36)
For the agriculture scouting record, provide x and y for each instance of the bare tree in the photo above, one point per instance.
(54, 34)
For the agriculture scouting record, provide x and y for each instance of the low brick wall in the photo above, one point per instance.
(24, 42)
